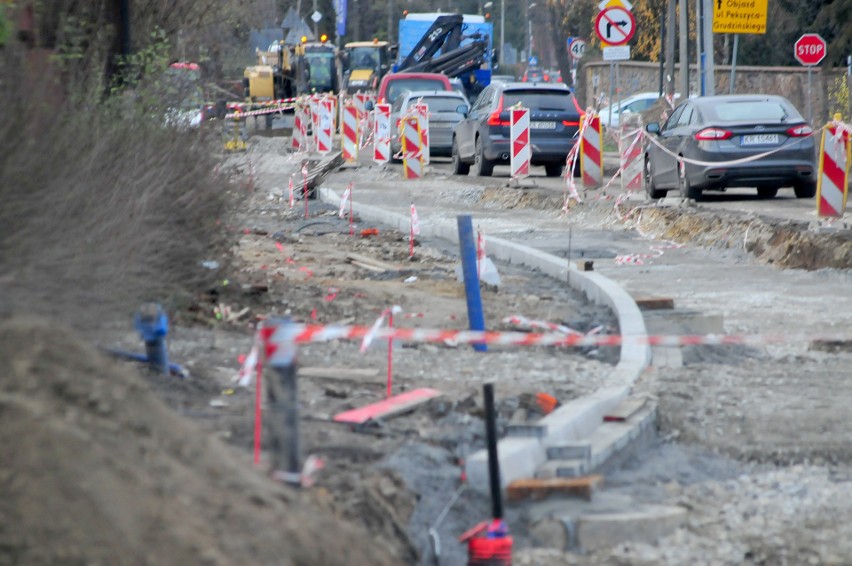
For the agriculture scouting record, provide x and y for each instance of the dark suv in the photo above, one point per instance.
(482, 138)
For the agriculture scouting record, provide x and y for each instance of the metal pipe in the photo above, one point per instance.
(493, 462)
(283, 397)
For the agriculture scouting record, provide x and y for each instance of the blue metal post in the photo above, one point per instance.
(153, 325)
(467, 246)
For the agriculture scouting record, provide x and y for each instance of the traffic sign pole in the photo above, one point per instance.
(809, 50)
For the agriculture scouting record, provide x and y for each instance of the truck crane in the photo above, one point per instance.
(440, 50)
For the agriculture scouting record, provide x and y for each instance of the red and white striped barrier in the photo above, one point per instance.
(630, 152)
(832, 183)
(381, 139)
(591, 151)
(361, 99)
(300, 128)
(519, 134)
(349, 140)
(422, 112)
(239, 114)
(325, 130)
(308, 333)
(412, 156)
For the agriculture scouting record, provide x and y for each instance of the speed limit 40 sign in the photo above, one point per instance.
(577, 48)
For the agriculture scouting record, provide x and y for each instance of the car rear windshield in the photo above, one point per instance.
(439, 103)
(750, 111)
(537, 99)
(395, 88)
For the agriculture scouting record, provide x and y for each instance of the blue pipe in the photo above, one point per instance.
(467, 246)
(174, 369)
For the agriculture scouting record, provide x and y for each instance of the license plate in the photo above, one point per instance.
(760, 139)
(440, 125)
(543, 125)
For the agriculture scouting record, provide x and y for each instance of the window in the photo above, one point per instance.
(395, 88)
(671, 123)
(440, 103)
(685, 117)
(751, 110)
(539, 99)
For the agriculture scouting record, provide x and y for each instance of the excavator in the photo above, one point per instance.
(366, 62)
(284, 72)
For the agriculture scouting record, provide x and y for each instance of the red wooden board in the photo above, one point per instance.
(387, 408)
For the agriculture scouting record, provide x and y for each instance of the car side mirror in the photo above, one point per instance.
(463, 109)
(653, 128)
(368, 106)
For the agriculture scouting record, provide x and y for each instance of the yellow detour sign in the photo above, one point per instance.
(739, 16)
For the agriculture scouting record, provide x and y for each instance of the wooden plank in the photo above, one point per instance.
(367, 266)
(654, 303)
(352, 257)
(391, 407)
(358, 375)
(534, 488)
(625, 410)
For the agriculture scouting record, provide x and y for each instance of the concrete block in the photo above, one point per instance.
(648, 524)
(519, 458)
(577, 419)
(570, 451)
(684, 322)
(526, 430)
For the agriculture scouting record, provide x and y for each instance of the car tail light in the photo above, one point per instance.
(494, 119)
(577, 106)
(567, 123)
(712, 134)
(800, 131)
(546, 78)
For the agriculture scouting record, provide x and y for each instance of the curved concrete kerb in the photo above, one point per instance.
(520, 457)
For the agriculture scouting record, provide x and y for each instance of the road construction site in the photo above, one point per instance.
(693, 451)
(688, 449)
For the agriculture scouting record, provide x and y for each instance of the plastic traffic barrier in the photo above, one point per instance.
(519, 134)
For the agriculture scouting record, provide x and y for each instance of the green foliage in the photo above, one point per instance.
(838, 96)
(5, 26)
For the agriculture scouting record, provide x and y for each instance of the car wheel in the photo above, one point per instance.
(553, 169)
(805, 190)
(482, 167)
(652, 191)
(459, 166)
(767, 192)
(686, 190)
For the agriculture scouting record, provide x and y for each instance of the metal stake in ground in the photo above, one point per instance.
(489, 543)
(283, 396)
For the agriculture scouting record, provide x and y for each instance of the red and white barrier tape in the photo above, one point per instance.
(376, 329)
(306, 333)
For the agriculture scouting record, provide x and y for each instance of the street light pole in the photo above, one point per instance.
(502, 29)
(529, 32)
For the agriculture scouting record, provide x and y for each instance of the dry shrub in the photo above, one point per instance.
(101, 205)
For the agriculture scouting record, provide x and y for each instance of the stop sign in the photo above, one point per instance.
(809, 49)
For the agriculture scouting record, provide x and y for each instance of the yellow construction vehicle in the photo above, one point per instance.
(366, 62)
(272, 77)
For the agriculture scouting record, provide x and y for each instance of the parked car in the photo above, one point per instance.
(721, 131)
(639, 102)
(446, 109)
(394, 84)
(481, 140)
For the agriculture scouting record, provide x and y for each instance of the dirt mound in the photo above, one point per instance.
(98, 471)
(783, 243)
